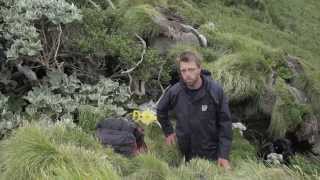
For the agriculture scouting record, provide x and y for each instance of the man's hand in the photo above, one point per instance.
(224, 163)
(171, 139)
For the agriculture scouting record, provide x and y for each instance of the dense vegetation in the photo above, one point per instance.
(66, 64)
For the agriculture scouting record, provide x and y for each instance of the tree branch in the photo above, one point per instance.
(130, 83)
(142, 56)
(201, 38)
(111, 4)
(165, 90)
(57, 49)
(159, 76)
(94, 4)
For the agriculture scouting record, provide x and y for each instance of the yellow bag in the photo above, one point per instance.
(146, 117)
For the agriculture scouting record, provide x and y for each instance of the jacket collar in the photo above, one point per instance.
(202, 91)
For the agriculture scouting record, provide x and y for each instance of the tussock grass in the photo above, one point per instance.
(155, 141)
(287, 113)
(27, 153)
(241, 148)
(148, 167)
(89, 116)
(34, 152)
(241, 75)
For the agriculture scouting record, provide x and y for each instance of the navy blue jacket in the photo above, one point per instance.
(203, 122)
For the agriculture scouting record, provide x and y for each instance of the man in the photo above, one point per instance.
(203, 123)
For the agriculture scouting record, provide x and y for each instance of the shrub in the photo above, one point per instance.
(21, 16)
(8, 119)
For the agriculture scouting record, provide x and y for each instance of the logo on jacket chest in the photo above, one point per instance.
(204, 107)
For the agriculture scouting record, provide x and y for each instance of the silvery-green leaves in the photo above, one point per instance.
(44, 101)
(63, 95)
(20, 18)
(8, 119)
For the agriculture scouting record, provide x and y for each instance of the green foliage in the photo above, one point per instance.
(89, 116)
(155, 141)
(255, 4)
(8, 119)
(66, 132)
(98, 34)
(242, 75)
(306, 165)
(313, 90)
(140, 20)
(241, 148)
(63, 151)
(188, 10)
(130, 3)
(123, 165)
(244, 169)
(63, 95)
(19, 23)
(195, 169)
(179, 48)
(82, 164)
(287, 113)
(49, 152)
(27, 153)
(247, 40)
(112, 35)
(148, 167)
(45, 104)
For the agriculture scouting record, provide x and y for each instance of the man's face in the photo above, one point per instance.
(190, 73)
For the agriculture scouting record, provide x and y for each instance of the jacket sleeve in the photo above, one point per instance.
(163, 108)
(225, 127)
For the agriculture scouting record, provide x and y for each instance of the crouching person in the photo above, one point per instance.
(122, 135)
(203, 122)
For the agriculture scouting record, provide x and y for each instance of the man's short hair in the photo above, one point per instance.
(188, 56)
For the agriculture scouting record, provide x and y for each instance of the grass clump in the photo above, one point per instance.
(287, 113)
(156, 145)
(27, 153)
(89, 116)
(148, 167)
(241, 148)
(35, 152)
(242, 75)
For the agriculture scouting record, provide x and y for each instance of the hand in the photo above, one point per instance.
(171, 139)
(224, 163)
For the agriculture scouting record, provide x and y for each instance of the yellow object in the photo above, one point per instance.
(146, 117)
